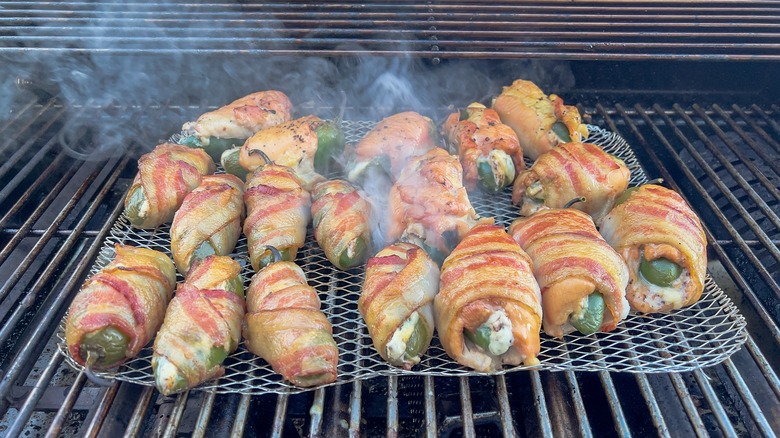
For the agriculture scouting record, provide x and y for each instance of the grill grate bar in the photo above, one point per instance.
(764, 366)
(579, 406)
(316, 411)
(542, 414)
(280, 413)
(771, 215)
(27, 408)
(430, 408)
(19, 204)
(772, 162)
(744, 392)
(100, 413)
(504, 409)
(21, 130)
(655, 410)
(139, 412)
(178, 409)
(355, 404)
(614, 404)
(203, 416)
(22, 115)
(53, 309)
(70, 400)
(466, 408)
(392, 406)
(241, 416)
(768, 119)
(715, 405)
(687, 401)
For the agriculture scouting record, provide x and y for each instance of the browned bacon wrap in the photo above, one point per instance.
(400, 280)
(278, 212)
(569, 171)
(202, 326)
(284, 326)
(533, 116)
(429, 204)
(341, 215)
(481, 139)
(130, 294)
(656, 222)
(570, 261)
(165, 176)
(487, 273)
(392, 143)
(242, 117)
(209, 220)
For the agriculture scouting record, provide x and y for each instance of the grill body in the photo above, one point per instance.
(689, 85)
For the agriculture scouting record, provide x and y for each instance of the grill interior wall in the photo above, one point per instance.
(708, 126)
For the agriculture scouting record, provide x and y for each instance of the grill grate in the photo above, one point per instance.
(739, 397)
(437, 30)
(701, 335)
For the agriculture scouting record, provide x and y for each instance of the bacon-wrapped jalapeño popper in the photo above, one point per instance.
(540, 121)
(583, 280)
(229, 126)
(306, 145)
(165, 176)
(202, 326)
(663, 242)
(429, 205)
(488, 149)
(397, 302)
(278, 210)
(285, 326)
(209, 221)
(567, 172)
(390, 145)
(119, 309)
(488, 310)
(340, 216)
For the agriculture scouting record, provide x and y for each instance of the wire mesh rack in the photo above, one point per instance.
(701, 335)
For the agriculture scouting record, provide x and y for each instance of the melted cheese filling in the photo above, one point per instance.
(500, 332)
(397, 345)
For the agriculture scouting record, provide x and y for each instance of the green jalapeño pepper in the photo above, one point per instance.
(231, 164)
(214, 146)
(133, 206)
(561, 131)
(330, 144)
(109, 345)
(355, 254)
(417, 340)
(661, 272)
(590, 318)
(496, 171)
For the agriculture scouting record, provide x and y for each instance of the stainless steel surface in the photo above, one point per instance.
(738, 397)
(438, 30)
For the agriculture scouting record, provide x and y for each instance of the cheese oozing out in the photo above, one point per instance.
(397, 345)
(501, 338)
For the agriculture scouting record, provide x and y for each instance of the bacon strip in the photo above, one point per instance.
(651, 218)
(130, 294)
(531, 114)
(166, 175)
(203, 315)
(400, 280)
(569, 171)
(429, 200)
(564, 244)
(284, 326)
(278, 211)
(293, 144)
(477, 136)
(486, 272)
(243, 117)
(340, 214)
(396, 139)
(211, 213)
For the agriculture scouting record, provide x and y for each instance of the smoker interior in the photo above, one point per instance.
(699, 111)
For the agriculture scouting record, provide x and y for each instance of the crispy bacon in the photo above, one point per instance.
(564, 244)
(204, 315)
(569, 171)
(243, 117)
(401, 279)
(658, 222)
(429, 200)
(166, 175)
(487, 272)
(130, 294)
(211, 213)
(285, 326)
(340, 214)
(278, 212)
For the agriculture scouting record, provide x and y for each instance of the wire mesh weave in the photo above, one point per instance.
(698, 336)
